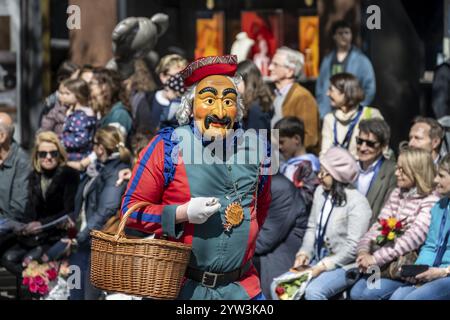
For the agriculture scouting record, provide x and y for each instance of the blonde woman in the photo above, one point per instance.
(411, 203)
(51, 192)
(434, 284)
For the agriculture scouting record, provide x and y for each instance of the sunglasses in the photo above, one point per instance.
(43, 154)
(369, 143)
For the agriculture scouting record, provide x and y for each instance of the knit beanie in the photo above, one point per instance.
(340, 164)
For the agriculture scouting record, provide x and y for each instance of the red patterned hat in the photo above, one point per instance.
(208, 66)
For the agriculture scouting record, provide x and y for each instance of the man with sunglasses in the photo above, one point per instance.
(376, 179)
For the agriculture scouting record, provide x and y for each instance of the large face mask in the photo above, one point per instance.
(215, 106)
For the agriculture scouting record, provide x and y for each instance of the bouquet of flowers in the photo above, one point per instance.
(391, 228)
(41, 279)
(60, 290)
(290, 285)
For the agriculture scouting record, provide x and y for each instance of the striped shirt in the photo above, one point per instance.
(415, 212)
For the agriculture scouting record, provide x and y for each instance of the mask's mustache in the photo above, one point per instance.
(209, 119)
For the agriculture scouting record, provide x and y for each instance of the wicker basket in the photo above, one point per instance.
(139, 267)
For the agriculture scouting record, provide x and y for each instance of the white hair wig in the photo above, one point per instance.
(185, 111)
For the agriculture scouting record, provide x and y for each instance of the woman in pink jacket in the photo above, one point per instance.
(411, 203)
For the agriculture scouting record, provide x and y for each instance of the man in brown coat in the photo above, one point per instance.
(291, 98)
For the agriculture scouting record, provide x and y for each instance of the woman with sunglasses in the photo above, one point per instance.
(340, 127)
(410, 203)
(339, 217)
(51, 192)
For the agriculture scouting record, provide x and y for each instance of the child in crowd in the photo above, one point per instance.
(81, 120)
(149, 110)
(174, 89)
(55, 107)
(292, 134)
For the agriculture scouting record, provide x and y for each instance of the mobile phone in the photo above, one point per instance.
(413, 270)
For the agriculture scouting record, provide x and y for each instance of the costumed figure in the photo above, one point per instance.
(200, 191)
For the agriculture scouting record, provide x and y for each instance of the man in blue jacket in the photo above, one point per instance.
(345, 58)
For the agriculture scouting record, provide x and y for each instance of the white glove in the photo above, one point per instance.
(200, 209)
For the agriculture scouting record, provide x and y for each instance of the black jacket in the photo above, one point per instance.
(256, 118)
(60, 196)
(59, 201)
(282, 233)
(147, 114)
(441, 90)
(103, 198)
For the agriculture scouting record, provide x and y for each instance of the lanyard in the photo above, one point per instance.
(350, 130)
(375, 173)
(442, 239)
(322, 230)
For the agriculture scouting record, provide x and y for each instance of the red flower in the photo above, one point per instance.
(383, 223)
(385, 231)
(39, 280)
(52, 274)
(26, 281)
(279, 290)
(33, 288)
(43, 289)
(399, 225)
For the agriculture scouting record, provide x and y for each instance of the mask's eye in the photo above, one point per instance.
(209, 101)
(228, 102)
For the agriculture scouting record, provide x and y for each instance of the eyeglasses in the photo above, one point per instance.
(400, 170)
(369, 143)
(43, 154)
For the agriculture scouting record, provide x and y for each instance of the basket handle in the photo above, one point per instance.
(123, 221)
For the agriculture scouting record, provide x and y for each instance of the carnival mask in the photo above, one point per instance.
(215, 106)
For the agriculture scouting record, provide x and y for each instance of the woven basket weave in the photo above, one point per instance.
(140, 267)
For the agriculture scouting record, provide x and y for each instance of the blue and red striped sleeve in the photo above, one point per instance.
(147, 184)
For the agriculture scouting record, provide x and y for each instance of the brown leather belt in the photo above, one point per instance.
(212, 280)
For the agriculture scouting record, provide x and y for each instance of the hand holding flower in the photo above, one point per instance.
(300, 261)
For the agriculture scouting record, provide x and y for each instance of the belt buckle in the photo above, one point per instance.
(206, 276)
